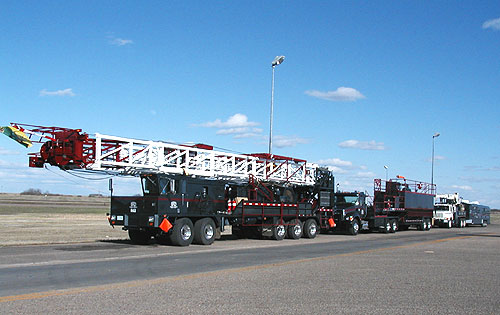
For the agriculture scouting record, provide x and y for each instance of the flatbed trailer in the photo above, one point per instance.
(399, 204)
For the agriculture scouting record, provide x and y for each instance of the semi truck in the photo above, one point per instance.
(449, 211)
(180, 209)
(397, 205)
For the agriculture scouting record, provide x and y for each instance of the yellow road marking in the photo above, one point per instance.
(137, 283)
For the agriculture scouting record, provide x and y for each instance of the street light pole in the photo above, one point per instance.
(437, 134)
(278, 60)
(386, 168)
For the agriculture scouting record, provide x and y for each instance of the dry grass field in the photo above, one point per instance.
(61, 219)
(28, 219)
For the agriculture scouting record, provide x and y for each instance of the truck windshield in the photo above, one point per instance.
(149, 186)
(443, 208)
(167, 185)
(346, 201)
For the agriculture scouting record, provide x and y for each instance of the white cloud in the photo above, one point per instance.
(335, 162)
(247, 135)
(336, 165)
(236, 125)
(239, 131)
(493, 24)
(288, 141)
(65, 92)
(121, 41)
(462, 187)
(235, 121)
(337, 170)
(363, 145)
(341, 94)
(153, 112)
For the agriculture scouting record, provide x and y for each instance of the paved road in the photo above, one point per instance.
(440, 271)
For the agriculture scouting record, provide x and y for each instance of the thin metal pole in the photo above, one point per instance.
(432, 168)
(271, 118)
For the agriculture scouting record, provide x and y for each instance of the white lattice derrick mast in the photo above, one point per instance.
(131, 156)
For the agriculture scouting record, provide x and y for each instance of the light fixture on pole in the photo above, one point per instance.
(437, 134)
(386, 168)
(278, 60)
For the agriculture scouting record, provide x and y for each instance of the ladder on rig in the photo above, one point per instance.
(72, 149)
(131, 156)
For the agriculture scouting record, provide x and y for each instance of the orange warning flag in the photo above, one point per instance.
(331, 222)
(165, 225)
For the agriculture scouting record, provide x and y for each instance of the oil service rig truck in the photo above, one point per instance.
(397, 205)
(192, 192)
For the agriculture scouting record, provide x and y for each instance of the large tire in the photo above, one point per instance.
(310, 228)
(354, 227)
(204, 231)
(387, 227)
(182, 232)
(394, 226)
(279, 232)
(429, 225)
(295, 229)
(139, 237)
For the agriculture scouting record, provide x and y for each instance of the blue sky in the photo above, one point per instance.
(364, 84)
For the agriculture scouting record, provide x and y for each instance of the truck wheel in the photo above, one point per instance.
(279, 232)
(354, 227)
(387, 227)
(139, 237)
(484, 224)
(422, 226)
(394, 226)
(295, 229)
(310, 228)
(204, 231)
(182, 232)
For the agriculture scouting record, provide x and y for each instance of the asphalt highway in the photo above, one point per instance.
(439, 271)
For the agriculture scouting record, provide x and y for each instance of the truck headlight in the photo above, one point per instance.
(113, 217)
(151, 219)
